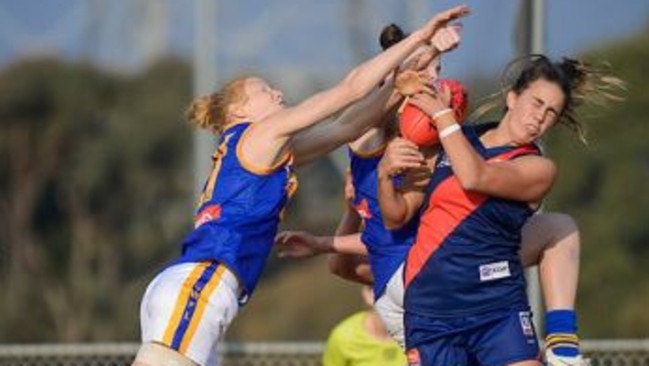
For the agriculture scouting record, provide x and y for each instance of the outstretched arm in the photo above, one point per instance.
(274, 132)
(323, 138)
(371, 110)
(301, 244)
(348, 258)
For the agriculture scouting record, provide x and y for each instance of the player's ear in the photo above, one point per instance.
(511, 99)
(236, 111)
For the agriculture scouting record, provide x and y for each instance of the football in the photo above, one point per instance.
(415, 125)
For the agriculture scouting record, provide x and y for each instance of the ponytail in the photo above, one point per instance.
(211, 112)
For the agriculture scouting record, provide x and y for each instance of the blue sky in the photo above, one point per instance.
(298, 39)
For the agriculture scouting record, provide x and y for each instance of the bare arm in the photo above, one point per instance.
(274, 132)
(300, 244)
(353, 122)
(398, 206)
(350, 222)
(526, 178)
(371, 110)
(353, 268)
(348, 255)
(346, 240)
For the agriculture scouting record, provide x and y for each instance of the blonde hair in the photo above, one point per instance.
(211, 111)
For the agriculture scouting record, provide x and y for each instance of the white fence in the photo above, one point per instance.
(628, 352)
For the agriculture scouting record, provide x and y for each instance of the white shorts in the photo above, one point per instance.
(188, 307)
(390, 307)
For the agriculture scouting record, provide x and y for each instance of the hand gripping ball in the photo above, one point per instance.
(415, 125)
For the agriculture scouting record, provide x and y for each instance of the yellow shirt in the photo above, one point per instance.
(349, 344)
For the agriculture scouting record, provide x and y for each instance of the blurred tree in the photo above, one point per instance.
(603, 187)
(93, 181)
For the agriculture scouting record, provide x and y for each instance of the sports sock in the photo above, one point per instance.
(561, 332)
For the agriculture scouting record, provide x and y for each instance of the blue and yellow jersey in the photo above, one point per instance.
(239, 211)
(465, 257)
(387, 249)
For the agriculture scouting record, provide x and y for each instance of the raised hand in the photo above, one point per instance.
(447, 38)
(409, 82)
(400, 154)
(441, 20)
(432, 101)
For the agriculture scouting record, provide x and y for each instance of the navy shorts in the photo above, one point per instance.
(494, 338)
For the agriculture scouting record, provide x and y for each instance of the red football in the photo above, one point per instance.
(415, 125)
(459, 98)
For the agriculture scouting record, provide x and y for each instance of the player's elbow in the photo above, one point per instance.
(353, 86)
(470, 182)
(474, 180)
(394, 223)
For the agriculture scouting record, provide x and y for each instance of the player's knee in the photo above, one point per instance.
(154, 354)
(566, 231)
(565, 223)
(556, 228)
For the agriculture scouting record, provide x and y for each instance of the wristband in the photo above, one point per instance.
(442, 112)
(449, 130)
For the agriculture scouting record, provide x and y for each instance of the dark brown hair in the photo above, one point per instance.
(580, 82)
(391, 35)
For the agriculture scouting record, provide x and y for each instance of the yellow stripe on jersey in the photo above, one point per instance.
(179, 308)
(203, 301)
(252, 168)
(207, 193)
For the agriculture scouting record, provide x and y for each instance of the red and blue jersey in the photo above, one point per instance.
(387, 249)
(239, 211)
(465, 258)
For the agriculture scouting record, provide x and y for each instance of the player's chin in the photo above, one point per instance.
(525, 140)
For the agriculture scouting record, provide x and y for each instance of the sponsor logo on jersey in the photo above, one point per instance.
(363, 209)
(209, 213)
(494, 271)
(526, 323)
(444, 162)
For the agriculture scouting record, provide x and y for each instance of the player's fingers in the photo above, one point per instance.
(457, 27)
(280, 238)
(288, 236)
(400, 141)
(409, 155)
(442, 19)
(428, 90)
(445, 92)
(452, 14)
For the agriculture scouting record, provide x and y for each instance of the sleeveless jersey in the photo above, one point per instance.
(387, 249)
(465, 257)
(239, 211)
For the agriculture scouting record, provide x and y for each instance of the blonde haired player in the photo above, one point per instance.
(190, 303)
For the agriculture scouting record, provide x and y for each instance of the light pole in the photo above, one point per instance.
(531, 40)
(204, 81)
